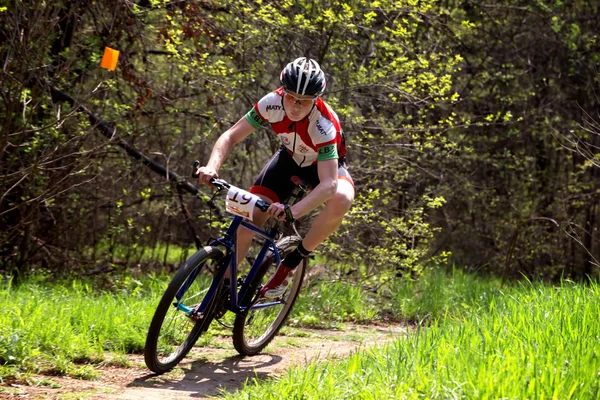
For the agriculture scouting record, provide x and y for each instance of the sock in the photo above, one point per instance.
(295, 257)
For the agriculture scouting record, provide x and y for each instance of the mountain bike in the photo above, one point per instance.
(197, 295)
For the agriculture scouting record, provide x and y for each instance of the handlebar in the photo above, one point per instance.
(220, 184)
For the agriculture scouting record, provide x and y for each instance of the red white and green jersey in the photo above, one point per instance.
(317, 137)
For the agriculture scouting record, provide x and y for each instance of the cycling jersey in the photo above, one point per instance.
(276, 182)
(317, 137)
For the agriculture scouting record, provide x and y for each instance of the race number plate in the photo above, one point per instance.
(239, 202)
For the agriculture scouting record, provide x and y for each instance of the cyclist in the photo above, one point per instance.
(312, 148)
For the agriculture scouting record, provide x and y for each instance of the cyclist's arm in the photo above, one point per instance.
(227, 140)
(327, 187)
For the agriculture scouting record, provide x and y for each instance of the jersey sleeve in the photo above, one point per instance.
(268, 110)
(324, 135)
(253, 116)
(328, 152)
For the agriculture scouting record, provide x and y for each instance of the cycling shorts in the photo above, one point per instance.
(275, 179)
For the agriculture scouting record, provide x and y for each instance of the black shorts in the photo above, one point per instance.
(275, 179)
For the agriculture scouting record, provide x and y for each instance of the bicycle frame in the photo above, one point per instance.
(229, 241)
(197, 295)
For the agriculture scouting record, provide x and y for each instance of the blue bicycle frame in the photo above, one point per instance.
(230, 243)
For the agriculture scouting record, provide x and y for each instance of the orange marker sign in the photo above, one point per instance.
(110, 58)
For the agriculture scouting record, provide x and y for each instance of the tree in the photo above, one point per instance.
(529, 72)
(186, 72)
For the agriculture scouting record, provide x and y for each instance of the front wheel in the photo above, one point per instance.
(254, 329)
(173, 330)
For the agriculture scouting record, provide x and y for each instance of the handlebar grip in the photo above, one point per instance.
(215, 181)
(289, 217)
(262, 205)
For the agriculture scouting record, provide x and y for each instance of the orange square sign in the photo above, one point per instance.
(110, 58)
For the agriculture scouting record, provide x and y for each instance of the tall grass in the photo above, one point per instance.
(526, 342)
(436, 293)
(48, 327)
(45, 327)
(479, 340)
(327, 304)
(169, 254)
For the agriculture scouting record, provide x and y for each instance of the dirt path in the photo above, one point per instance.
(207, 371)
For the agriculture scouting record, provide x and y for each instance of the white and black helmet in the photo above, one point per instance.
(303, 76)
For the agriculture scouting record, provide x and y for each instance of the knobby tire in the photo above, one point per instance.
(169, 325)
(252, 329)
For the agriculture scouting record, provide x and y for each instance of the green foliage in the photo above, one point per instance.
(188, 71)
(521, 105)
(451, 101)
(389, 243)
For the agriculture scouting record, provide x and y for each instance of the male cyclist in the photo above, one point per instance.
(312, 148)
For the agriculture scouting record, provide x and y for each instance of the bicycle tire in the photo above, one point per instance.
(251, 340)
(172, 327)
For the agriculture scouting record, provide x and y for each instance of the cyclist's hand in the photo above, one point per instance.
(282, 212)
(205, 174)
(277, 211)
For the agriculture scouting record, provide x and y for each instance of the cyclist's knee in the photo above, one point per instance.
(345, 193)
(342, 200)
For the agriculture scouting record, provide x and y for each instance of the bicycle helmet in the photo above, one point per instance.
(303, 76)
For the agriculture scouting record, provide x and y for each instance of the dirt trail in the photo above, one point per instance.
(208, 371)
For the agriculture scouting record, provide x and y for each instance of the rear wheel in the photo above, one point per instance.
(254, 329)
(173, 331)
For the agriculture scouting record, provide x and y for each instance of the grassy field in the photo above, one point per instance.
(57, 327)
(64, 327)
(475, 338)
(528, 341)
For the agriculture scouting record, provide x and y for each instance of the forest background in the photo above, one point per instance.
(472, 128)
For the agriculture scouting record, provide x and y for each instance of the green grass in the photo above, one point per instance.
(528, 341)
(50, 327)
(477, 339)
(327, 304)
(436, 294)
(171, 254)
(47, 327)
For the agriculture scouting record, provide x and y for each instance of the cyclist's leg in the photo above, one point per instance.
(330, 218)
(272, 184)
(323, 225)
(245, 235)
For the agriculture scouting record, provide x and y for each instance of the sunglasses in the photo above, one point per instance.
(296, 100)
